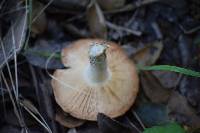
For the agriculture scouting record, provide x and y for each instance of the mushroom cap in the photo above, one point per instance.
(82, 100)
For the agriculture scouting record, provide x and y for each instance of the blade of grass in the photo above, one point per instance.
(29, 6)
(32, 110)
(2, 94)
(44, 54)
(11, 97)
(11, 11)
(181, 70)
(15, 64)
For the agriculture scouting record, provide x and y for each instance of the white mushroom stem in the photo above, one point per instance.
(97, 70)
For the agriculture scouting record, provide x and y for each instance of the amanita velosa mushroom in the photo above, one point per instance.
(100, 79)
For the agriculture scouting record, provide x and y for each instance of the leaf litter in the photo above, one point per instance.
(159, 33)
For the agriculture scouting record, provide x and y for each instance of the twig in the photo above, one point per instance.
(157, 30)
(134, 126)
(45, 7)
(189, 31)
(117, 27)
(138, 118)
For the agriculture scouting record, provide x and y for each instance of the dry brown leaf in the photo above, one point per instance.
(166, 78)
(67, 120)
(178, 104)
(149, 54)
(39, 18)
(153, 89)
(96, 21)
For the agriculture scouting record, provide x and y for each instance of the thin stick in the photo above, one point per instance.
(134, 126)
(117, 27)
(36, 17)
(138, 118)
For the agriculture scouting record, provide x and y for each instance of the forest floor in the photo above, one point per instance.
(162, 37)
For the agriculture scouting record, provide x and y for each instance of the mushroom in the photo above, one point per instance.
(100, 79)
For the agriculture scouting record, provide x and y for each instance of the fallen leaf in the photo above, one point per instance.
(39, 21)
(153, 114)
(111, 4)
(108, 125)
(67, 120)
(41, 52)
(149, 54)
(153, 89)
(166, 78)
(178, 105)
(96, 21)
(89, 127)
(132, 48)
(66, 5)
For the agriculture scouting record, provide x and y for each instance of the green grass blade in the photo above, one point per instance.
(170, 68)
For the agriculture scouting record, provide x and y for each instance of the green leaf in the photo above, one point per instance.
(171, 68)
(169, 128)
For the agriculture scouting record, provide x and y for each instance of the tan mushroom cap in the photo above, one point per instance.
(82, 100)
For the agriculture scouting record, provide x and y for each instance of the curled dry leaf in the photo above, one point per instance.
(96, 21)
(17, 31)
(179, 105)
(111, 4)
(67, 120)
(153, 89)
(149, 54)
(132, 48)
(166, 78)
